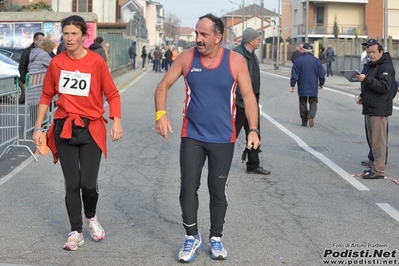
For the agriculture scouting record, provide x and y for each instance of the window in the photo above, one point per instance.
(82, 6)
(320, 15)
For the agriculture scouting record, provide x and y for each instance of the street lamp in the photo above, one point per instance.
(274, 24)
(242, 14)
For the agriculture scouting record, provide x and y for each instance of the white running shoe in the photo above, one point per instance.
(191, 244)
(74, 241)
(96, 230)
(216, 249)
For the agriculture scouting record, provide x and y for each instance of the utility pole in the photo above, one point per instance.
(386, 25)
(261, 33)
(278, 37)
(232, 31)
(273, 43)
(307, 22)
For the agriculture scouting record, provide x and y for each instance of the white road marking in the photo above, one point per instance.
(394, 213)
(345, 175)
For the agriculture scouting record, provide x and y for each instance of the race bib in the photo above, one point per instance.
(74, 83)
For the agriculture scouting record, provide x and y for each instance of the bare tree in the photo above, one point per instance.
(171, 25)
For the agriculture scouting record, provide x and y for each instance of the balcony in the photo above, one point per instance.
(328, 29)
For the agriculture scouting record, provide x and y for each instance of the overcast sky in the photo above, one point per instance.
(188, 11)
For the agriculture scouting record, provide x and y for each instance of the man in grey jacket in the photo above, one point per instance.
(98, 48)
(250, 42)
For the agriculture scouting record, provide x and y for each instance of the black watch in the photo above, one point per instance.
(254, 130)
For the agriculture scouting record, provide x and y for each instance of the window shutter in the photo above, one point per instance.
(90, 6)
(74, 5)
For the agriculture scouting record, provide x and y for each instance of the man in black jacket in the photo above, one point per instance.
(250, 42)
(377, 100)
(24, 62)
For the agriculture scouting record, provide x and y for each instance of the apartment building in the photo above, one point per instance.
(353, 19)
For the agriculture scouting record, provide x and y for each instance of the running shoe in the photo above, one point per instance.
(74, 241)
(96, 230)
(191, 244)
(216, 249)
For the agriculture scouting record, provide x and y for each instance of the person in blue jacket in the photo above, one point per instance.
(309, 74)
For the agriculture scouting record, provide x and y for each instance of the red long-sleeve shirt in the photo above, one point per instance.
(74, 107)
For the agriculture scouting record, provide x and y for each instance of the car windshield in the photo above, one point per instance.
(7, 60)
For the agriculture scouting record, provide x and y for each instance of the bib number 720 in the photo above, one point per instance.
(74, 83)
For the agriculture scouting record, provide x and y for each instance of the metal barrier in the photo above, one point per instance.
(9, 121)
(34, 85)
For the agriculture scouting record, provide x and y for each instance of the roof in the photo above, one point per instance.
(252, 10)
(111, 24)
(185, 31)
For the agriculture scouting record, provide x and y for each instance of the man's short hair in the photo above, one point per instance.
(99, 40)
(37, 34)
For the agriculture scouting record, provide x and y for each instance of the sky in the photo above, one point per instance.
(188, 11)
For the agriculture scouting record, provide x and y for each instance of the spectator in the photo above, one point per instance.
(61, 46)
(24, 61)
(250, 42)
(168, 58)
(297, 53)
(157, 59)
(174, 54)
(108, 55)
(322, 57)
(377, 101)
(132, 55)
(144, 56)
(330, 57)
(98, 48)
(39, 58)
(308, 72)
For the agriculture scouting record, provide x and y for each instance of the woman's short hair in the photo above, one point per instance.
(47, 44)
(77, 21)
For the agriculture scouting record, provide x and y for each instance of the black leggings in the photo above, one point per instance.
(80, 165)
(192, 158)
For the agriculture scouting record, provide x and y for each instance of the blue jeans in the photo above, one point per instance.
(329, 68)
(143, 62)
(156, 67)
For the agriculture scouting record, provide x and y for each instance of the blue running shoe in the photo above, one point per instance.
(191, 244)
(216, 249)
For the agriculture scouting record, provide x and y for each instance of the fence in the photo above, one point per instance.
(11, 116)
(9, 121)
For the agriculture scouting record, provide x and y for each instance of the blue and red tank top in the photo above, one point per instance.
(209, 110)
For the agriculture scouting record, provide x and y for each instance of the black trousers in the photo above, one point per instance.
(241, 121)
(80, 165)
(303, 108)
(193, 154)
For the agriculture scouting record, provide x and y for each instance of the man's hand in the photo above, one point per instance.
(253, 140)
(292, 89)
(361, 77)
(320, 87)
(162, 126)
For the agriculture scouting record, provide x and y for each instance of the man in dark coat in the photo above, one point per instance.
(132, 55)
(377, 100)
(250, 42)
(309, 73)
(98, 48)
(24, 62)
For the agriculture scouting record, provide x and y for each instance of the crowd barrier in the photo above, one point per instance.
(10, 115)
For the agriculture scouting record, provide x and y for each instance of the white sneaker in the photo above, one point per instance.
(216, 249)
(96, 230)
(74, 241)
(191, 244)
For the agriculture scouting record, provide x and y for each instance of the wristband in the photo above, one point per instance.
(254, 130)
(159, 114)
(37, 129)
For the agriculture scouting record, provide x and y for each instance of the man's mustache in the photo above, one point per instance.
(200, 44)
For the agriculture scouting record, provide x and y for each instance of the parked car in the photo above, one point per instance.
(12, 52)
(9, 67)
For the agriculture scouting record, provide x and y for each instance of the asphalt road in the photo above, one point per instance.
(309, 211)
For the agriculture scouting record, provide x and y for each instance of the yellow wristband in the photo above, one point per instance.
(159, 114)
